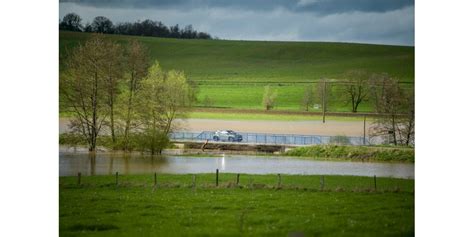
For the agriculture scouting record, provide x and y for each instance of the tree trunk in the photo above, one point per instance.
(394, 134)
(112, 123)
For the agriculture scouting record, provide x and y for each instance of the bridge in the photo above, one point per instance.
(274, 139)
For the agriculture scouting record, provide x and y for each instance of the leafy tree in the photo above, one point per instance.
(71, 22)
(269, 97)
(136, 65)
(147, 27)
(83, 84)
(102, 24)
(163, 98)
(178, 96)
(175, 32)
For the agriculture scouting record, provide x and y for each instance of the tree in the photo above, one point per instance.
(323, 95)
(113, 76)
(163, 98)
(71, 22)
(102, 24)
(177, 97)
(269, 97)
(308, 98)
(396, 109)
(82, 84)
(175, 32)
(356, 88)
(136, 65)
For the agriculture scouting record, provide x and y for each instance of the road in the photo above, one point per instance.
(330, 128)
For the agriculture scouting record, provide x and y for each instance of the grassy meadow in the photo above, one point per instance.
(232, 74)
(345, 206)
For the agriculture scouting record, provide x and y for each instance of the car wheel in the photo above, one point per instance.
(215, 138)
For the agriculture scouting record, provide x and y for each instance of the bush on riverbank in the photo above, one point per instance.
(355, 152)
(137, 142)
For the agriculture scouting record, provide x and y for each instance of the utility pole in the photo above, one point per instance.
(365, 116)
(324, 101)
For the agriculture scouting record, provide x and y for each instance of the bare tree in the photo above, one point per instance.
(356, 87)
(396, 107)
(82, 83)
(113, 76)
(308, 97)
(269, 97)
(323, 95)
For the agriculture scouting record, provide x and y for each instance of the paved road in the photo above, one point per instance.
(330, 128)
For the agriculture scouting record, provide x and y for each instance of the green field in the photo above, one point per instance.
(347, 206)
(354, 153)
(233, 73)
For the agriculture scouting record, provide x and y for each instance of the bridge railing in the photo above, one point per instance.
(277, 139)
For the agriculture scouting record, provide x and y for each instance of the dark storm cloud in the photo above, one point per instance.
(361, 21)
(316, 6)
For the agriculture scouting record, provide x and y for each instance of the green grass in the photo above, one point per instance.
(233, 73)
(356, 153)
(274, 117)
(348, 206)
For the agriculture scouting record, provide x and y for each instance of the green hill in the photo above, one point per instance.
(233, 73)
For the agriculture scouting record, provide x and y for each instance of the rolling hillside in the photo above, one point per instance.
(233, 73)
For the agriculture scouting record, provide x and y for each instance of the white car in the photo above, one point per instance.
(227, 135)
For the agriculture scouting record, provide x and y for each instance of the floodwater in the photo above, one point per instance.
(107, 163)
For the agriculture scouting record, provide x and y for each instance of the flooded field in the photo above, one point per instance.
(106, 163)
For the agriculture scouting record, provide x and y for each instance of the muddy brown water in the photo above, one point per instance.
(330, 128)
(107, 163)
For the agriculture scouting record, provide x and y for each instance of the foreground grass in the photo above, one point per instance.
(356, 153)
(348, 206)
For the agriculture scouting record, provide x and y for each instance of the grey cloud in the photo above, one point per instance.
(382, 27)
(316, 6)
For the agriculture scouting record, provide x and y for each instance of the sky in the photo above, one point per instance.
(359, 21)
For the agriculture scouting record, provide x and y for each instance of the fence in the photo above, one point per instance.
(276, 139)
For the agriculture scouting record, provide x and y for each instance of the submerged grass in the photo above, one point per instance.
(347, 206)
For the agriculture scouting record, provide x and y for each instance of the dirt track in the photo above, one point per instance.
(330, 128)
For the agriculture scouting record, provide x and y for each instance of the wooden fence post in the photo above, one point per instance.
(217, 177)
(279, 181)
(321, 182)
(155, 180)
(375, 183)
(79, 178)
(238, 179)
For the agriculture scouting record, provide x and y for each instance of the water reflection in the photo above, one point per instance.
(92, 156)
(70, 163)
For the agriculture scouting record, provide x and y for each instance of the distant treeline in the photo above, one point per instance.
(101, 24)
